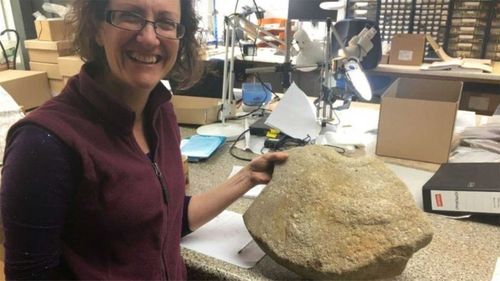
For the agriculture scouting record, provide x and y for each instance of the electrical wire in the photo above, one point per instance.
(236, 6)
(231, 149)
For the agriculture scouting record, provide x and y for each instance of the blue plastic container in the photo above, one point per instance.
(256, 94)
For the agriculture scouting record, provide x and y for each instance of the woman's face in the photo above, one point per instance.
(139, 59)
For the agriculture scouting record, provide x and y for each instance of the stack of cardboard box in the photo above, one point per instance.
(29, 89)
(69, 66)
(53, 42)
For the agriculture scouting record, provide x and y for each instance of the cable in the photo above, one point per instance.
(250, 113)
(265, 86)
(286, 142)
(236, 6)
(339, 149)
(258, 13)
(234, 145)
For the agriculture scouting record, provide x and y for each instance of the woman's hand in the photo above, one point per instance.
(261, 168)
(204, 207)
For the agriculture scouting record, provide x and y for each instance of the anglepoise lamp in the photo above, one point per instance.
(352, 46)
(232, 130)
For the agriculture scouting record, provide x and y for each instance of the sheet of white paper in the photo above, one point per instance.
(496, 273)
(7, 103)
(464, 119)
(10, 113)
(361, 120)
(222, 238)
(256, 144)
(414, 180)
(252, 193)
(463, 154)
(295, 115)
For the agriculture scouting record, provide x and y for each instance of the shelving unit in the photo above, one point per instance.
(465, 28)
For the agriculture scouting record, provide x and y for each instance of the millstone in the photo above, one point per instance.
(326, 216)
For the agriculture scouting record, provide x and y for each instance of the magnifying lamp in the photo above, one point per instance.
(358, 79)
(351, 44)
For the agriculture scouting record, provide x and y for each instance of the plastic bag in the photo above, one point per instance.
(39, 16)
(59, 10)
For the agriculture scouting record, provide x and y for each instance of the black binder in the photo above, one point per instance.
(463, 188)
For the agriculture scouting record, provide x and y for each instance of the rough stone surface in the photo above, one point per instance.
(326, 216)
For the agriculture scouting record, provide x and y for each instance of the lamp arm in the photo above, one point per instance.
(227, 62)
(339, 41)
(255, 30)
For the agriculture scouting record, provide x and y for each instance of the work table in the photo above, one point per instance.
(460, 250)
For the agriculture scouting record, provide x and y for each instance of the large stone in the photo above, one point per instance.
(326, 216)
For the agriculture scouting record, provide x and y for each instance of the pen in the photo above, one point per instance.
(244, 247)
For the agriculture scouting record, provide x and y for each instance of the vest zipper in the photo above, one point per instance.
(163, 184)
(164, 190)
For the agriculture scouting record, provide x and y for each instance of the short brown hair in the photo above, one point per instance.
(86, 15)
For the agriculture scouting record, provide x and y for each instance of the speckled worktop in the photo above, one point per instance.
(460, 249)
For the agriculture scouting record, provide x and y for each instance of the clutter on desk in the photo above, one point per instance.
(455, 64)
(468, 65)
(485, 136)
(464, 188)
(198, 148)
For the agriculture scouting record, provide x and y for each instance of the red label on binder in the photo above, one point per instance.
(439, 200)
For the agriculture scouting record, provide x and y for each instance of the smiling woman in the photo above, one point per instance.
(105, 196)
(183, 71)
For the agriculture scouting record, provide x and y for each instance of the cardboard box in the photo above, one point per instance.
(384, 59)
(47, 51)
(29, 89)
(195, 110)
(480, 102)
(53, 29)
(407, 49)
(417, 119)
(69, 65)
(52, 69)
(56, 86)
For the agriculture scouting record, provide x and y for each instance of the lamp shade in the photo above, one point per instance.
(358, 79)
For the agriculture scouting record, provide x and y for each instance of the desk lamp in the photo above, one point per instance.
(347, 65)
(232, 23)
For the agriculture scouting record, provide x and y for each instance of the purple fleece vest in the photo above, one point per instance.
(119, 226)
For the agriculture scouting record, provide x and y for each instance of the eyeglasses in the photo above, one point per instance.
(131, 21)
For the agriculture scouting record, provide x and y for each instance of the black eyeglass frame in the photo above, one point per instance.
(180, 29)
